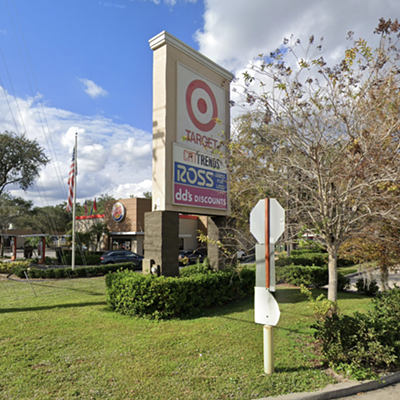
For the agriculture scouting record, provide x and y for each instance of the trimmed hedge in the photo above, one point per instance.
(300, 257)
(90, 259)
(309, 276)
(306, 251)
(303, 275)
(305, 259)
(174, 297)
(59, 273)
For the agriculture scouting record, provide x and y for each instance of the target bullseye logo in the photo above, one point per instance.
(201, 105)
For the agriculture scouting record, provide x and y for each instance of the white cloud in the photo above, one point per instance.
(235, 32)
(112, 158)
(136, 189)
(92, 89)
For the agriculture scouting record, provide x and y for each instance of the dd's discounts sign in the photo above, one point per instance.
(200, 179)
(200, 111)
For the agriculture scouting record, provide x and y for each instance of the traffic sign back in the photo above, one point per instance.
(276, 217)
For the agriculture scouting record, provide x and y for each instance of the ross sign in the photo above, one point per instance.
(200, 112)
(276, 220)
(118, 212)
(199, 179)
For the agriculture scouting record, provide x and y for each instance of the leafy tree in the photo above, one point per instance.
(97, 231)
(49, 219)
(102, 200)
(377, 244)
(11, 208)
(324, 140)
(20, 160)
(148, 195)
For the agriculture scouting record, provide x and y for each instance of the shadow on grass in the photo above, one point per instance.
(56, 286)
(289, 296)
(41, 308)
(284, 370)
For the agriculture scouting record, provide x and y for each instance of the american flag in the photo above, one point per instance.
(94, 206)
(71, 182)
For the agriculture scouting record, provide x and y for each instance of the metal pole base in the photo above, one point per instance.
(268, 349)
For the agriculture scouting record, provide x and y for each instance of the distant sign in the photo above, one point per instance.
(118, 212)
(200, 179)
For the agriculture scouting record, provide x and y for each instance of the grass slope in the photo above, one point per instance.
(66, 344)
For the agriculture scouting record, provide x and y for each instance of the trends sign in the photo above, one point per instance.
(200, 179)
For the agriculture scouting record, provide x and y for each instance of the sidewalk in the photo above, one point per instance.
(344, 389)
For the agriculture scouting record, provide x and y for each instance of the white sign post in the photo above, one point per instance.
(267, 223)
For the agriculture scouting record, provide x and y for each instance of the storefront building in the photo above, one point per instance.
(125, 221)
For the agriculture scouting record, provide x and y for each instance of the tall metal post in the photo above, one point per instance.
(74, 204)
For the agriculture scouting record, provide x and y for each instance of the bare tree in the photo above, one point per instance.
(323, 140)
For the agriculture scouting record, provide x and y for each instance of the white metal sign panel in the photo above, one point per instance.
(266, 309)
(260, 267)
(200, 111)
(277, 221)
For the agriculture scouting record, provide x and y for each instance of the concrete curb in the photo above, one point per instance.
(341, 389)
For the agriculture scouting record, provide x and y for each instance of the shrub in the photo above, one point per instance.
(6, 268)
(343, 282)
(52, 273)
(306, 275)
(90, 259)
(305, 259)
(299, 252)
(363, 341)
(309, 276)
(370, 288)
(174, 297)
(198, 268)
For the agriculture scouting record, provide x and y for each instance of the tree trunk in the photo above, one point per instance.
(333, 278)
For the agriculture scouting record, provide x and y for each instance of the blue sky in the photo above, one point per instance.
(85, 66)
(106, 42)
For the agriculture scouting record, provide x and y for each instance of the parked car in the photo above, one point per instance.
(190, 257)
(121, 256)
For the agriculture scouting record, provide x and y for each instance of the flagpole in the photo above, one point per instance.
(74, 205)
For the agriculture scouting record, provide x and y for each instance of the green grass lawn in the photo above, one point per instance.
(66, 344)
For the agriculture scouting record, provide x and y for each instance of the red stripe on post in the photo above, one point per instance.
(267, 255)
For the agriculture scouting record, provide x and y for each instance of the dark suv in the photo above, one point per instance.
(121, 256)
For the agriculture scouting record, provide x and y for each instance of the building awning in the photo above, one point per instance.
(127, 233)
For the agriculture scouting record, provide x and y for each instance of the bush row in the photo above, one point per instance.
(298, 257)
(364, 340)
(306, 259)
(307, 251)
(174, 297)
(90, 259)
(7, 267)
(57, 273)
(308, 275)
